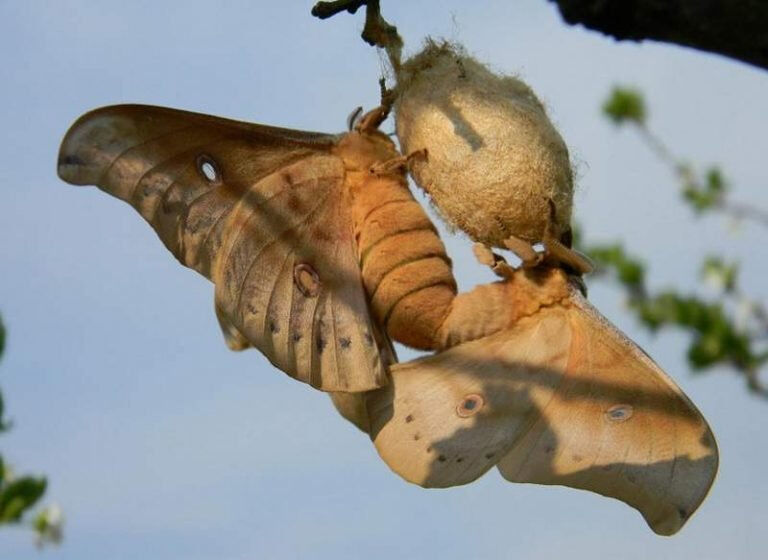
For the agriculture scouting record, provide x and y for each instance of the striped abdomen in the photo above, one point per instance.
(405, 268)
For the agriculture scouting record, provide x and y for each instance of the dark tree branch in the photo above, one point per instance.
(324, 10)
(377, 31)
(733, 28)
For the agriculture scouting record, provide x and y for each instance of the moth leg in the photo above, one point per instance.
(524, 251)
(497, 264)
(372, 119)
(386, 167)
(557, 252)
(233, 337)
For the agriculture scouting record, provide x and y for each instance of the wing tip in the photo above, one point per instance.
(69, 167)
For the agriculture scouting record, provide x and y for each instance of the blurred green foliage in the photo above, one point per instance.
(716, 339)
(703, 194)
(19, 494)
(729, 329)
(625, 105)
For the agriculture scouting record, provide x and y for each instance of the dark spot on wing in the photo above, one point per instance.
(273, 326)
(490, 455)
(307, 280)
(409, 419)
(296, 337)
(345, 342)
(320, 343)
(295, 203)
(71, 160)
(442, 458)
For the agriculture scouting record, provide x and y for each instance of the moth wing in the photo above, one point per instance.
(446, 419)
(259, 210)
(561, 397)
(617, 425)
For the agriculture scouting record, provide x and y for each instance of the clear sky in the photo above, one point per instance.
(160, 443)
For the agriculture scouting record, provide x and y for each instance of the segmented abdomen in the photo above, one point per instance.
(405, 268)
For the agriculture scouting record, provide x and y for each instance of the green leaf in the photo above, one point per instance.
(629, 271)
(703, 195)
(2, 336)
(625, 105)
(3, 424)
(48, 524)
(715, 180)
(715, 271)
(18, 496)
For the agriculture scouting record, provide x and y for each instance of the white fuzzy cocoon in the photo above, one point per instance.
(494, 158)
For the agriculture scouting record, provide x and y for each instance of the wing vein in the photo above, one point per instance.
(268, 244)
(134, 146)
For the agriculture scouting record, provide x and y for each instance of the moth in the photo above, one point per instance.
(274, 218)
(320, 256)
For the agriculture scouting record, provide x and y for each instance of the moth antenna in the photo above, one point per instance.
(372, 119)
(354, 117)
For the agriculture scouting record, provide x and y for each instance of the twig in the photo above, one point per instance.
(754, 384)
(740, 210)
(377, 31)
(737, 210)
(324, 10)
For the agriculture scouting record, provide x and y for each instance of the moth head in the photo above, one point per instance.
(439, 428)
(361, 149)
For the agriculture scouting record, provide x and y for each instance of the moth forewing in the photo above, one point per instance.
(245, 205)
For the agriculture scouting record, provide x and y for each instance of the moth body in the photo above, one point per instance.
(405, 269)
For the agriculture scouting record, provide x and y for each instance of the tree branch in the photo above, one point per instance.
(377, 31)
(733, 28)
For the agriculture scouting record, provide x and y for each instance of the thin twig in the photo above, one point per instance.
(376, 32)
(754, 384)
(737, 210)
(742, 211)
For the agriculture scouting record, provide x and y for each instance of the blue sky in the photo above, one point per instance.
(159, 442)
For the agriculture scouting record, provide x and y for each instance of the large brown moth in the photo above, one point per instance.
(272, 216)
(319, 254)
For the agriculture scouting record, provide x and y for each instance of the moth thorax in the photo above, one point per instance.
(361, 151)
(494, 158)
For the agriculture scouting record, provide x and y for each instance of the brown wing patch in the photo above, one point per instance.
(244, 205)
(617, 425)
(561, 397)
